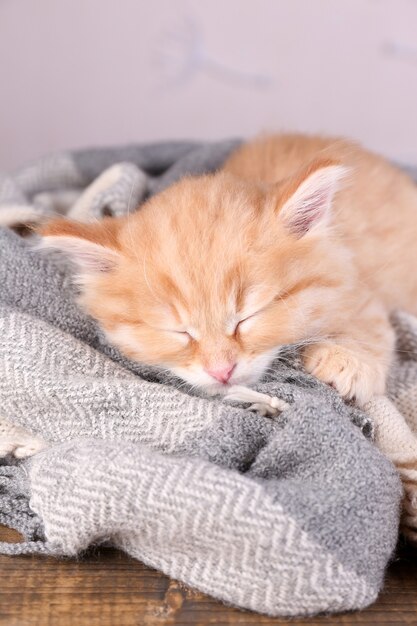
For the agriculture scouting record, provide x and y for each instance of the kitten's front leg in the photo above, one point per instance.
(265, 405)
(17, 441)
(357, 360)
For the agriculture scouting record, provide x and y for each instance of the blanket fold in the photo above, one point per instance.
(292, 515)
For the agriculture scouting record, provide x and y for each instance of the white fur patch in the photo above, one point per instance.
(246, 372)
(123, 337)
(199, 378)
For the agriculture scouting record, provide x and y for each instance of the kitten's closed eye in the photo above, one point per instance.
(248, 319)
(182, 335)
(245, 323)
(185, 335)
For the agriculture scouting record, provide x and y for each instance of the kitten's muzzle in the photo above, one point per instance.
(222, 373)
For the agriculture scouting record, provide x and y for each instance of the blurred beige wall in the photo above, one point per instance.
(81, 72)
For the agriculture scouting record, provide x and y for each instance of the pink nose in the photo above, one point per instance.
(222, 373)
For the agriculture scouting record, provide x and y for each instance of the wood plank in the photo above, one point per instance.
(107, 588)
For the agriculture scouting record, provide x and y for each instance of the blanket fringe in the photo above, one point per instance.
(15, 512)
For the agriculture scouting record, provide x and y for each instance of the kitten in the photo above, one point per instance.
(297, 240)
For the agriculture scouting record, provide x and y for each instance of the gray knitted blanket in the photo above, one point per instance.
(291, 515)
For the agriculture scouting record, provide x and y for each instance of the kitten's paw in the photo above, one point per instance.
(17, 441)
(264, 409)
(352, 374)
(21, 448)
(267, 406)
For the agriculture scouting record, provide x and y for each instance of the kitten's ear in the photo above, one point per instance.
(92, 247)
(306, 198)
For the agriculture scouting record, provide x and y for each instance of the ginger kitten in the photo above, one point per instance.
(297, 239)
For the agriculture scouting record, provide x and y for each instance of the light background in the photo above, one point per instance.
(78, 73)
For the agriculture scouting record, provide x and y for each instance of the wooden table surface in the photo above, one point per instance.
(107, 588)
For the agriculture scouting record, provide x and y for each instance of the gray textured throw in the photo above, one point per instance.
(292, 515)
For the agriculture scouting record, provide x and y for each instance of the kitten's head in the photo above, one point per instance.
(212, 276)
